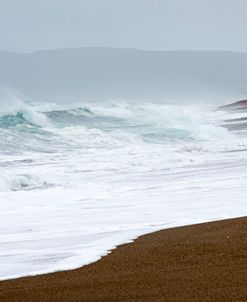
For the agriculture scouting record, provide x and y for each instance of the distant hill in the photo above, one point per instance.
(106, 73)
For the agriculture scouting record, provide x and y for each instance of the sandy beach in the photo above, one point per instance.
(205, 262)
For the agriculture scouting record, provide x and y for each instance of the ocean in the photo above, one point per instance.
(79, 179)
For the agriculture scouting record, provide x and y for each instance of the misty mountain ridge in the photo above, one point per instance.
(94, 74)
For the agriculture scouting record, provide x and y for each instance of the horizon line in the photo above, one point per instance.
(122, 48)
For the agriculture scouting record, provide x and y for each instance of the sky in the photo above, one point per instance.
(30, 25)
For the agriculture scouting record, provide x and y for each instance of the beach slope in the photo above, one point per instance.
(205, 262)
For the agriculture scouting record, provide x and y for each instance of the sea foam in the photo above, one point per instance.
(79, 179)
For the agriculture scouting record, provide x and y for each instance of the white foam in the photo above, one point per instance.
(66, 227)
(90, 189)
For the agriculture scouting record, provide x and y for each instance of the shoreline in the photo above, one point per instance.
(202, 262)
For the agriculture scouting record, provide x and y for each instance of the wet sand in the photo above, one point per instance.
(206, 262)
(239, 105)
(236, 124)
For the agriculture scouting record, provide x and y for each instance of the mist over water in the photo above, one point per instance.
(103, 74)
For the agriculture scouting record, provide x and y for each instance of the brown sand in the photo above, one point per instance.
(206, 262)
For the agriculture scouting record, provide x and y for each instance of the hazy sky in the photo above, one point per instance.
(28, 25)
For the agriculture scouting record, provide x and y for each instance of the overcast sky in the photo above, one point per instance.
(29, 25)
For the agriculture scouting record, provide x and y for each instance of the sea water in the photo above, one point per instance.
(77, 180)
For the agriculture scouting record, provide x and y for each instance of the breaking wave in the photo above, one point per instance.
(167, 121)
(178, 134)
